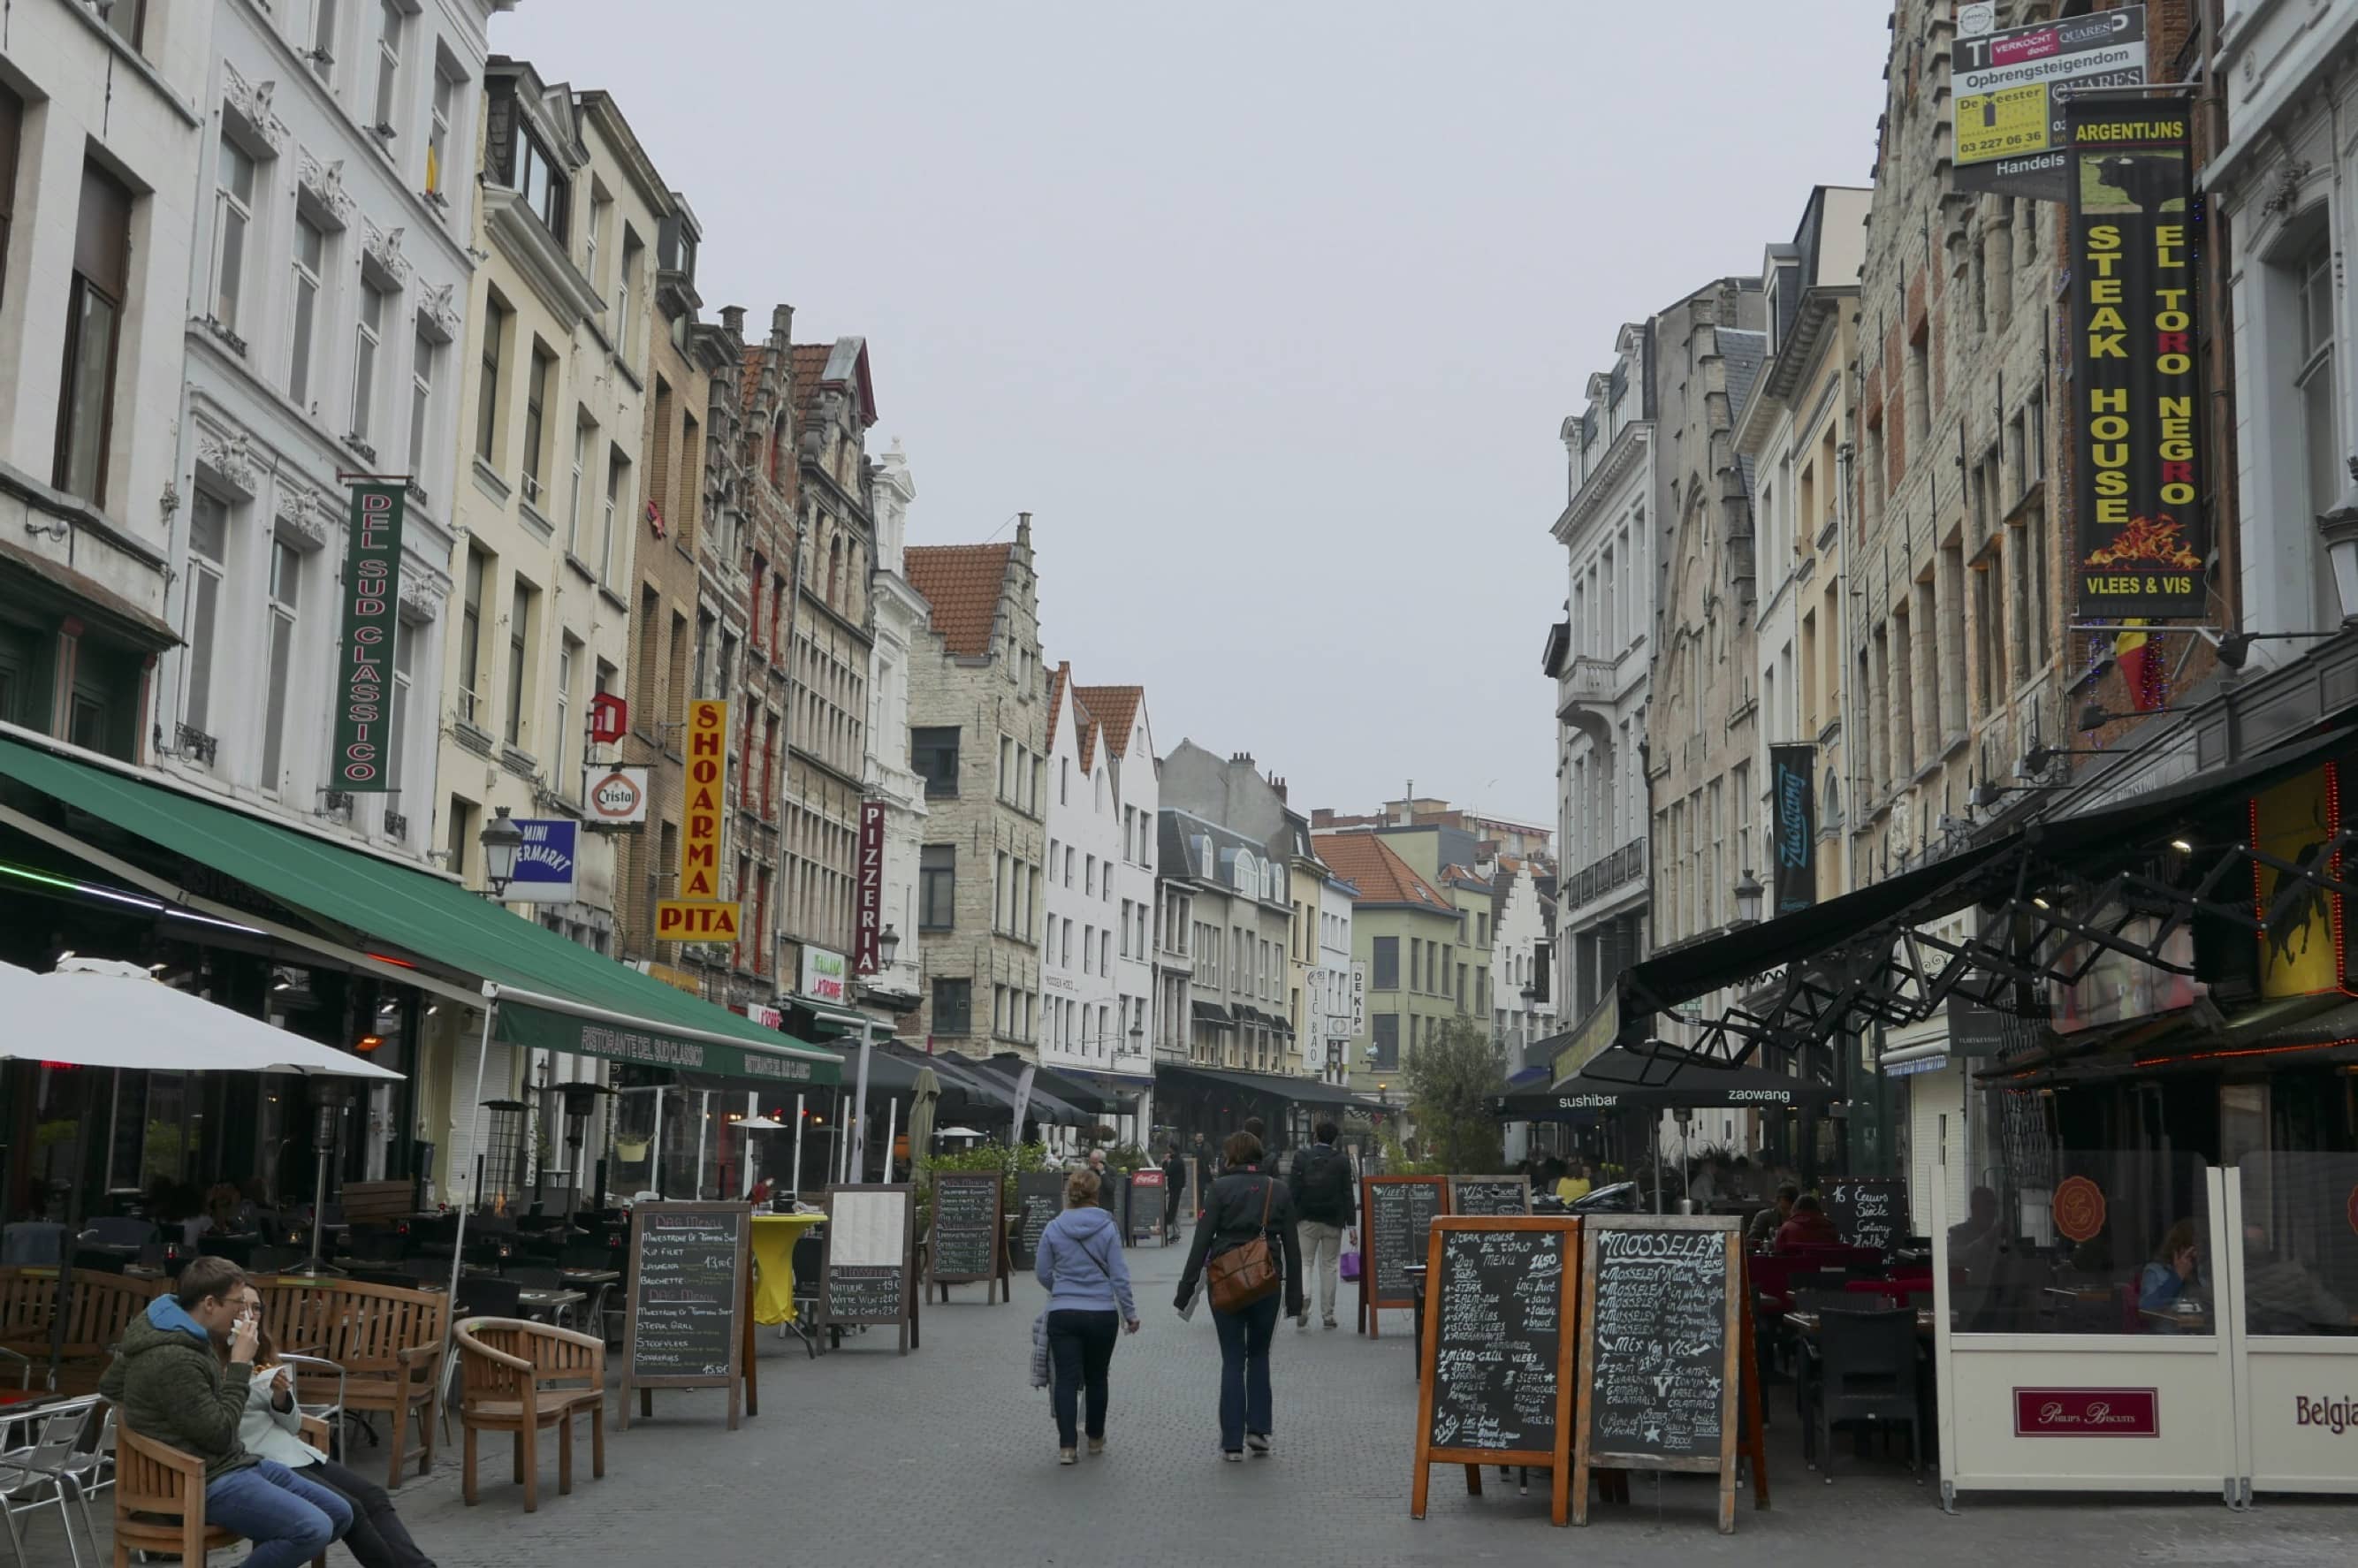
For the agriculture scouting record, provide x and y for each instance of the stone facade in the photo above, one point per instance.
(1250, 911)
(899, 616)
(977, 726)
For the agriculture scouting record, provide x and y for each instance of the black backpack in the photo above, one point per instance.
(1326, 1184)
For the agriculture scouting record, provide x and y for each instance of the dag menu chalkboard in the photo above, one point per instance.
(1397, 1211)
(868, 1264)
(688, 1277)
(1039, 1198)
(966, 1226)
(1489, 1195)
(1868, 1211)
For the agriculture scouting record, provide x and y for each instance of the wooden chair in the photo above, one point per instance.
(385, 1345)
(98, 1311)
(523, 1377)
(159, 1500)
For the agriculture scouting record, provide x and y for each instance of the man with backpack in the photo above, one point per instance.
(1324, 1198)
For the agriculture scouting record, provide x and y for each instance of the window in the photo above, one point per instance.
(1089, 875)
(102, 268)
(487, 402)
(437, 135)
(285, 586)
(12, 132)
(938, 887)
(934, 757)
(208, 549)
(129, 20)
(585, 441)
(626, 288)
(394, 19)
(569, 659)
(2313, 382)
(953, 1006)
(1386, 1041)
(1386, 977)
(421, 401)
(470, 635)
(536, 400)
(618, 480)
(367, 336)
(233, 217)
(405, 666)
(310, 262)
(519, 656)
(323, 39)
(599, 208)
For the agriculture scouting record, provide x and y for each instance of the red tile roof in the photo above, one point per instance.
(1372, 866)
(810, 372)
(1116, 707)
(963, 583)
(750, 384)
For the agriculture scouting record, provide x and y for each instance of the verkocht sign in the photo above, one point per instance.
(2138, 501)
(545, 862)
(372, 609)
(2087, 1412)
(2011, 88)
(615, 797)
(868, 952)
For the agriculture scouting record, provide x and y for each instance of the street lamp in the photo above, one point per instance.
(2339, 529)
(501, 839)
(1748, 899)
(887, 944)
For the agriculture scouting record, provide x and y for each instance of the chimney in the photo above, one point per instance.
(732, 319)
(782, 323)
(1023, 529)
(1278, 785)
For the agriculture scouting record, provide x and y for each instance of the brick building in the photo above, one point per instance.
(977, 736)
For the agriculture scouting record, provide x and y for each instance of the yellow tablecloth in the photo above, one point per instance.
(774, 1236)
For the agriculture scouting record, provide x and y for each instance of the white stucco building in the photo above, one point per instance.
(1519, 948)
(900, 613)
(102, 131)
(1321, 1014)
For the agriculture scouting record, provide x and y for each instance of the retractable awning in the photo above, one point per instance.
(1079, 1095)
(552, 994)
(1302, 1091)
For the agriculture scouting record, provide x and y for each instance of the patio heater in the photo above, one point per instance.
(580, 1100)
(328, 1098)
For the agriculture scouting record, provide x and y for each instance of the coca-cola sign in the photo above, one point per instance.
(2087, 1412)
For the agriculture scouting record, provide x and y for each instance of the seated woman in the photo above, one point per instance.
(378, 1538)
(2173, 1267)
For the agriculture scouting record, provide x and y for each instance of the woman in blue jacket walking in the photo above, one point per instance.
(1089, 1304)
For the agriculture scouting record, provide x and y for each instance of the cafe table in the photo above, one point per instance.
(774, 1236)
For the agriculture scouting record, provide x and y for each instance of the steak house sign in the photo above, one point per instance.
(2141, 538)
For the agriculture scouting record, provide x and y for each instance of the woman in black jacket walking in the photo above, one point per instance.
(1241, 1203)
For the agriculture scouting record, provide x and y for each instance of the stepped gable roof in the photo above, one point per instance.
(1116, 707)
(962, 583)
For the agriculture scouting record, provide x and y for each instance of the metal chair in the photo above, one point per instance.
(1866, 1372)
(90, 1468)
(32, 1472)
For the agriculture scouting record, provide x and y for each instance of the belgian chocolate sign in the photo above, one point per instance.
(371, 592)
(2141, 534)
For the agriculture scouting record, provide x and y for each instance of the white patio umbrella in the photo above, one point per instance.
(94, 1013)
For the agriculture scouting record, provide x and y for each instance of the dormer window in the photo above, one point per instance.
(539, 183)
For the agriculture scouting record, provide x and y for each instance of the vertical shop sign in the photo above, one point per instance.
(868, 954)
(372, 610)
(1793, 801)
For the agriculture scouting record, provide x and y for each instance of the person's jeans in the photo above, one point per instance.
(1245, 1401)
(1170, 1217)
(289, 1520)
(378, 1538)
(1322, 1249)
(1080, 1350)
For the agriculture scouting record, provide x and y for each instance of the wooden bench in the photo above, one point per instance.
(98, 1311)
(387, 1344)
(523, 1377)
(159, 1499)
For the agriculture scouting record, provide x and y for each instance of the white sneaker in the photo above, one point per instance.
(1232, 1456)
(1258, 1442)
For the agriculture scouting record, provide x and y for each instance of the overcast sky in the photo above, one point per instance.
(1267, 313)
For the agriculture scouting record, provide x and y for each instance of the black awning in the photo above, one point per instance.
(2080, 844)
(1212, 1012)
(1079, 1096)
(1300, 1091)
(1620, 1079)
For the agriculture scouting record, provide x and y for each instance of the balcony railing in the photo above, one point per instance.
(1588, 681)
(1594, 880)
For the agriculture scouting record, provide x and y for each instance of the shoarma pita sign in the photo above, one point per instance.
(699, 913)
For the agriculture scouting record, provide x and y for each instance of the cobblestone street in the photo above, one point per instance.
(866, 1457)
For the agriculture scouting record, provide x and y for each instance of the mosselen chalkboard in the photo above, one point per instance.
(1496, 1367)
(684, 1325)
(1394, 1213)
(1039, 1198)
(1868, 1211)
(871, 1249)
(1660, 1335)
(967, 1228)
(1489, 1195)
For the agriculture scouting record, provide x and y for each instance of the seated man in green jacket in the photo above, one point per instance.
(168, 1380)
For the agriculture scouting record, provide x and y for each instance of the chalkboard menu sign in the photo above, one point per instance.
(689, 1302)
(966, 1227)
(1039, 1198)
(1489, 1195)
(1868, 1211)
(1495, 1370)
(1394, 1213)
(1661, 1340)
(870, 1261)
(1145, 1205)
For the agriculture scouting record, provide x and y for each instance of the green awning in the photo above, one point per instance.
(554, 995)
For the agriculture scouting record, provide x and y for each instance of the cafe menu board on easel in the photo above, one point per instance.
(870, 1257)
(1489, 1195)
(1039, 1198)
(1145, 1216)
(1394, 1213)
(690, 1278)
(967, 1229)
(1661, 1337)
(1868, 1211)
(1495, 1372)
